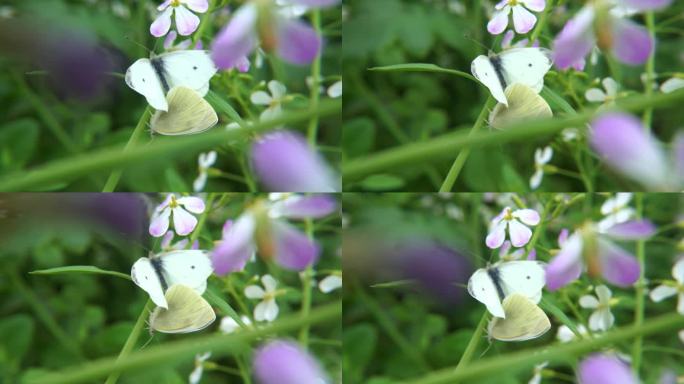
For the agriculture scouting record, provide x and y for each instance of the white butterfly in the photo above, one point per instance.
(492, 285)
(526, 66)
(153, 78)
(156, 274)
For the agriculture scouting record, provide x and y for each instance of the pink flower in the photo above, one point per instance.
(183, 221)
(515, 222)
(605, 369)
(523, 20)
(285, 362)
(186, 21)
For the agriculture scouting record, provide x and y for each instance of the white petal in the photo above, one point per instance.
(672, 85)
(269, 283)
(497, 236)
(680, 304)
(565, 334)
(678, 271)
(595, 95)
(261, 98)
(623, 198)
(196, 374)
(200, 182)
(254, 292)
(609, 206)
(662, 292)
(610, 86)
(183, 221)
(681, 335)
(277, 89)
(192, 204)
(335, 90)
(330, 283)
(186, 21)
(543, 156)
(518, 233)
(600, 319)
(536, 179)
(228, 325)
(260, 311)
(588, 301)
(604, 294)
(271, 310)
(523, 20)
(527, 216)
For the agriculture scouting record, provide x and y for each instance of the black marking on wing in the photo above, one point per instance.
(496, 279)
(496, 63)
(158, 269)
(158, 66)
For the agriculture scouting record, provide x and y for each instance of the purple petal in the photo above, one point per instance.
(519, 233)
(166, 240)
(303, 207)
(243, 64)
(315, 3)
(199, 6)
(293, 249)
(605, 369)
(237, 246)
(192, 204)
(284, 162)
(576, 39)
(623, 143)
(298, 43)
(285, 362)
(527, 216)
(160, 223)
(183, 222)
(523, 20)
(567, 265)
(535, 5)
(644, 5)
(237, 39)
(499, 22)
(631, 230)
(563, 236)
(186, 21)
(618, 266)
(496, 237)
(532, 255)
(631, 42)
(226, 228)
(162, 23)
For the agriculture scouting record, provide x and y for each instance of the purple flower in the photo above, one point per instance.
(629, 42)
(183, 221)
(291, 39)
(515, 221)
(523, 20)
(621, 140)
(264, 227)
(605, 369)
(285, 362)
(595, 250)
(186, 21)
(283, 161)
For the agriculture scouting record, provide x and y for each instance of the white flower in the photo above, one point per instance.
(570, 134)
(229, 325)
(671, 85)
(273, 101)
(541, 158)
(196, 374)
(601, 319)
(335, 90)
(291, 9)
(681, 335)
(671, 288)
(183, 221)
(523, 20)
(204, 162)
(536, 379)
(186, 21)
(565, 334)
(267, 309)
(517, 231)
(330, 283)
(616, 211)
(597, 95)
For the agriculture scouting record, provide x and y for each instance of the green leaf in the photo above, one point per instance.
(80, 269)
(222, 106)
(18, 141)
(16, 333)
(214, 299)
(359, 346)
(358, 136)
(417, 39)
(422, 67)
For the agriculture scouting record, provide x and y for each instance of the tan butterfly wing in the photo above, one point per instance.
(524, 320)
(523, 104)
(188, 113)
(188, 312)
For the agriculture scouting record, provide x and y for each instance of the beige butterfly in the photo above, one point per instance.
(524, 320)
(188, 312)
(523, 104)
(188, 113)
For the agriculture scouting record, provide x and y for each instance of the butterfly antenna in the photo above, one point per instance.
(140, 45)
(468, 37)
(489, 345)
(148, 340)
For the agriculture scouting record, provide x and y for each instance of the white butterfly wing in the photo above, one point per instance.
(145, 277)
(192, 69)
(142, 78)
(526, 66)
(187, 267)
(481, 287)
(484, 71)
(526, 277)
(188, 113)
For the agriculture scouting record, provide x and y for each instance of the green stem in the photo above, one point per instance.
(538, 230)
(115, 176)
(512, 362)
(312, 131)
(131, 341)
(474, 342)
(203, 24)
(640, 291)
(541, 23)
(202, 219)
(650, 71)
(458, 164)
(306, 277)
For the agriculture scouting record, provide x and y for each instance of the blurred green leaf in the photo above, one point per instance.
(18, 141)
(358, 136)
(422, 67)
(382, 182)
(16, 333)
(80, 269)
(359, 346)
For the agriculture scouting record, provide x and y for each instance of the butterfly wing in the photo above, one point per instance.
(524, 320)
(187, 267)
(142, 78)
(188, 113)
(523, 104)
(188, 312)
(526, 277)
(526, 66)
(192, 69)
(482, 288)
(484, 71)
(145, 277)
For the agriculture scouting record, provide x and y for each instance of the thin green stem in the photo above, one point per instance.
(244, 372)
(115, 176)
(131, 341)
(204, 21)
(640, 291)
(650, 71)
(312, 131)
(458, 164)
(539, 229)
(202, 219)
(540, 24)
(474, 342)
(306, 277)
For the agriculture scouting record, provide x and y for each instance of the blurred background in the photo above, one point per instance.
(60, 321)
(407, 259)
(389, 109)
